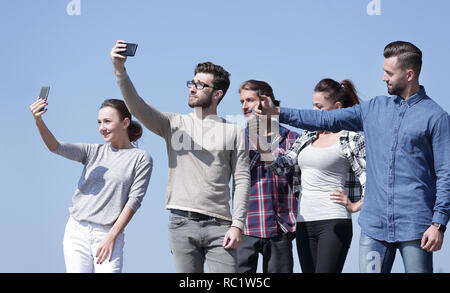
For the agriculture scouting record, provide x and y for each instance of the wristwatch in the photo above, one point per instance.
(440, 227)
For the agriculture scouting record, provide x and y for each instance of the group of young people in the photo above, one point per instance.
(388, 157)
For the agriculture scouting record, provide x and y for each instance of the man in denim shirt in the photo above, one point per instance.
(407, 197)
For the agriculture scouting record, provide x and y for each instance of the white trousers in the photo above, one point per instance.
(81, 242)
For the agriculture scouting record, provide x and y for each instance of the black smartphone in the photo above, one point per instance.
(44, 94)
(131, 50)
(259, 94)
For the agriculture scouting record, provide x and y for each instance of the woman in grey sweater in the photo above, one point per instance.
(111, 188)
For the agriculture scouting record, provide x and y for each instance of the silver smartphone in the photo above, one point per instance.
(44, 94)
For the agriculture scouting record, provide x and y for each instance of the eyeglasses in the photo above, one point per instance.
(198, 85)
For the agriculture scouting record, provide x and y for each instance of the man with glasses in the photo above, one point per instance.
(204, 152)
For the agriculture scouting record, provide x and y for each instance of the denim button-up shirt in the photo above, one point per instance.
(408, 161)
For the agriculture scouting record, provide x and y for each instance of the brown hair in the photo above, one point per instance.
(221, 76)
(408, 55)
(134, 129)
(343, 92)
(264, 88)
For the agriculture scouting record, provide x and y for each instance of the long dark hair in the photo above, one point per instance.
(343, 91)
(134, 129)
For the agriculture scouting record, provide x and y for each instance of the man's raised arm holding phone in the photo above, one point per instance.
(153, 119)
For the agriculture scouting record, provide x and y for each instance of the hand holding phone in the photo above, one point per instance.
(44, 94)
(131, 50)
(259, 94)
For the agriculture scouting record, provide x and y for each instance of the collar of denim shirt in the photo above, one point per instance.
(413, 99)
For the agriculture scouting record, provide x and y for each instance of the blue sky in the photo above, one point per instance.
(290, 44)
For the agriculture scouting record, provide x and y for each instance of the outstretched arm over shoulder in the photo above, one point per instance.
(334, 120)
(350, 118)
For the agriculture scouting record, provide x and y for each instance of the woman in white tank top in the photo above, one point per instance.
(330, 163)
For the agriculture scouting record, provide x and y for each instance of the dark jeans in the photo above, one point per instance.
(322, 246)
(276, 252)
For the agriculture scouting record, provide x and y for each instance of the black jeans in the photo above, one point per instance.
(322, 246)
(276, 252)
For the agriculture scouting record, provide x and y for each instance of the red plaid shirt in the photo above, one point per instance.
(272, 202)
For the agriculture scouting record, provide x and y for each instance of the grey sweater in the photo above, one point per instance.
(203, 153)
(111, 179)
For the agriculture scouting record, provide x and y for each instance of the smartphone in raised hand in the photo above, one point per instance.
(131, 50)
(44, 94)
(259, 94)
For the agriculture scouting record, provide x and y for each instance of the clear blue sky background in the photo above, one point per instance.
(291, 44)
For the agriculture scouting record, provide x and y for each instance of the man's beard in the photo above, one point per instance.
(205, 103)
(396, 89)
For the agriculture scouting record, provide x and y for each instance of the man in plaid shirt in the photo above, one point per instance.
(272, 208)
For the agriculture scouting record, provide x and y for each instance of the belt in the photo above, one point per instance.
(191, 215)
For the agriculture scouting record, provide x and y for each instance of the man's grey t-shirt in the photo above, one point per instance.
(111, 179)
